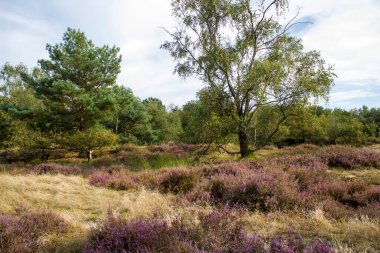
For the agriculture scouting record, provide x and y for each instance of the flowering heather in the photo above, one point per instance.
(249, 186)
(53, 168)
(284, 183)
(118, 235)
(20, 232)
(116, 180)
(218, 231)
(269, 189)
(303, 161)
(350, 158)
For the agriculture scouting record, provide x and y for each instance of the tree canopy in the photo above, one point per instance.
(76, 81)
(242, 49)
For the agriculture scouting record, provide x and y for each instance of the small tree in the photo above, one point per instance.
(89, 140)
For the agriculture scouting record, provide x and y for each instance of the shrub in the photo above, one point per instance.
(218, 231)
(252, 188)
(21, 232)
(118, 235)
(350, 158)
(292, 161)
(53, 168)
(177, 181)
(114, 180)
(269, 188)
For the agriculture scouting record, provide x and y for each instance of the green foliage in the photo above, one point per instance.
(256, 63)
(209, 119)
(164, 125)
(254, 96)
(76, 81)
(325, 126)
(19, 110)
(130, 119)
(14, 91)
(343, 128)
(89, 140)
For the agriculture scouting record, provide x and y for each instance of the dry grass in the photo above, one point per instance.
(351, 235)
(370, 176)
(76, 200)
(375, 147)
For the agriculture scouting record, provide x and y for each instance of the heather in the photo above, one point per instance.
(296, 178)
(117, 181)
(218, 231)
(281, 200)
(53, 168)
(350, 158)
(22, 231)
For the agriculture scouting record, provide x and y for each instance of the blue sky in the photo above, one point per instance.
(347, 32)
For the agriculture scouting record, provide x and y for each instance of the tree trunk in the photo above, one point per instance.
(117, 124)
(89, 155)
(243, 142)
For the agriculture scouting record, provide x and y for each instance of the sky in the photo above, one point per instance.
(347, 32)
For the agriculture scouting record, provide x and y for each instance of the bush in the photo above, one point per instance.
(21, 232)
(292, 161)
(53, 168)
(350, 158)
(116, 180)
(272, 187)
(249, 186)
(177, 181)
(118, 235)
(218, 231)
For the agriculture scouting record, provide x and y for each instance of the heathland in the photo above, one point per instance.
(168, 199)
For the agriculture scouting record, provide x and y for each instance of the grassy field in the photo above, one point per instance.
(329, 194)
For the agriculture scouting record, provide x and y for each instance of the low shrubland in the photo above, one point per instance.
(218, 231)
(22, 232)
(296, 199)
(302, 181)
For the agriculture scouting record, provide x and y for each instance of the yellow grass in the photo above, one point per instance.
(352, 235)
(76, 200)
(371, 176)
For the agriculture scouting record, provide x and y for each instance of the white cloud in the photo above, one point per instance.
(347, 32)
(346, 96)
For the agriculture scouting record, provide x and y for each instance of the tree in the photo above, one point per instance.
(207, 120)
(16, 96)
(344, 128)
(89, 140)
(20, 111)
(130, 118)
(158, 120)
(242, 49)
(76, 82)
(307, 127)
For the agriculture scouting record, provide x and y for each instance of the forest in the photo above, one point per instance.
(255, 163)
